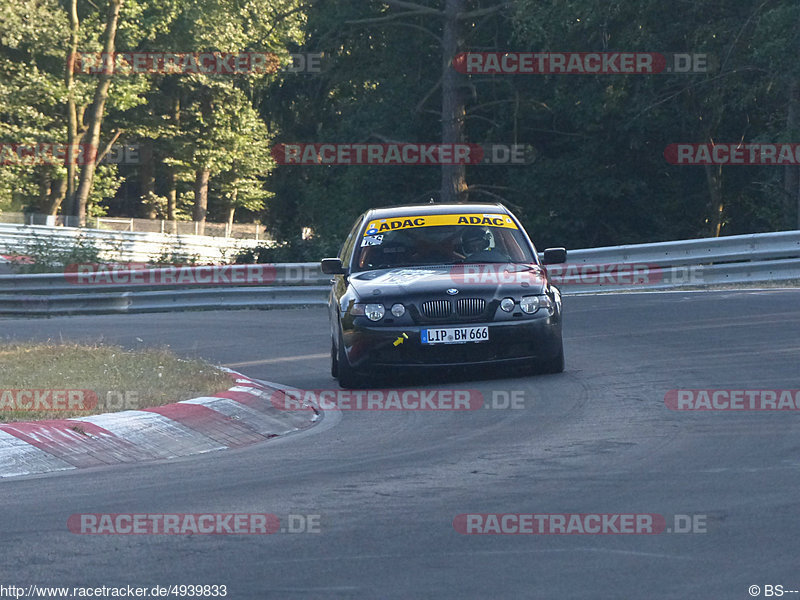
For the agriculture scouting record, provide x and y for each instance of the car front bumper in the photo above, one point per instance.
(372, 348)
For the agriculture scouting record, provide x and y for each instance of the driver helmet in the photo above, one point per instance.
(475, 239)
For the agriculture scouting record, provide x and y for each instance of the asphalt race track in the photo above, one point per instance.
(388, 484)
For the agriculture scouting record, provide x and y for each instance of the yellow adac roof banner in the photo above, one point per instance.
(411, 222)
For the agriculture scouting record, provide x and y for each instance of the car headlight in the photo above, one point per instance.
(507, 304)
(374, 312)
(531, 304)
(398, 310)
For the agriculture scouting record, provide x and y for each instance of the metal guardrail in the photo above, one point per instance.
(134, 246)
(162, 301)
(100, 289)
(751, 258)
(748, 247)
(758, 258)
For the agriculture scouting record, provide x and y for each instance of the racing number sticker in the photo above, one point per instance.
(372, 240)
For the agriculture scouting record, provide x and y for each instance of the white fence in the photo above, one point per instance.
(251, 231)
(125, 246)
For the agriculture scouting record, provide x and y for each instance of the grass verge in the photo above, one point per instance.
(58, 381)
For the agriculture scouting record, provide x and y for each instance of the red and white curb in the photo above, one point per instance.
(241, 415)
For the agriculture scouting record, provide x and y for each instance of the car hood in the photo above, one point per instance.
(481, 280)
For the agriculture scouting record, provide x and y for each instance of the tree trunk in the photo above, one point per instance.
(791, 177)
(45, 185)
(231, 209)
(201, 198)
(58, 191)
(92, 136)
(147, 180)
(714, 181)
(172, 175)
(72, 119)
(172, 193)
(454, 177)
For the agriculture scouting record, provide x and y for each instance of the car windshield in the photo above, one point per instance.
(440, 240)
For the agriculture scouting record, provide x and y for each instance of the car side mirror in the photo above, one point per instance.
(555, 256)
(332, 266)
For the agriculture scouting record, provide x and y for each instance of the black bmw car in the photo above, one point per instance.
(441, 285)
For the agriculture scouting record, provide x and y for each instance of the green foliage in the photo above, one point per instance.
(45, 257)
(217, 125)
(295, 250)
(599, 178)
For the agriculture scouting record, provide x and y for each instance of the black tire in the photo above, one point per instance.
(334, 361)
(347, 376)
(553, 365)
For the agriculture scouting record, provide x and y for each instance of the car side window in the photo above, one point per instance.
(347, 248)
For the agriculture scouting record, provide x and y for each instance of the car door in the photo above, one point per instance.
(339, 282)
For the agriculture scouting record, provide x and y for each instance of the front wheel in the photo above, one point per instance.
(551, 365)
(347, 376)
(334, 361)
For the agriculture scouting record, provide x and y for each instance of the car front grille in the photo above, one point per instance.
(465, 307)
(436, 309)
(470, 307)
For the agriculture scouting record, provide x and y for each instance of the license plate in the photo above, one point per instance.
(455, 335)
